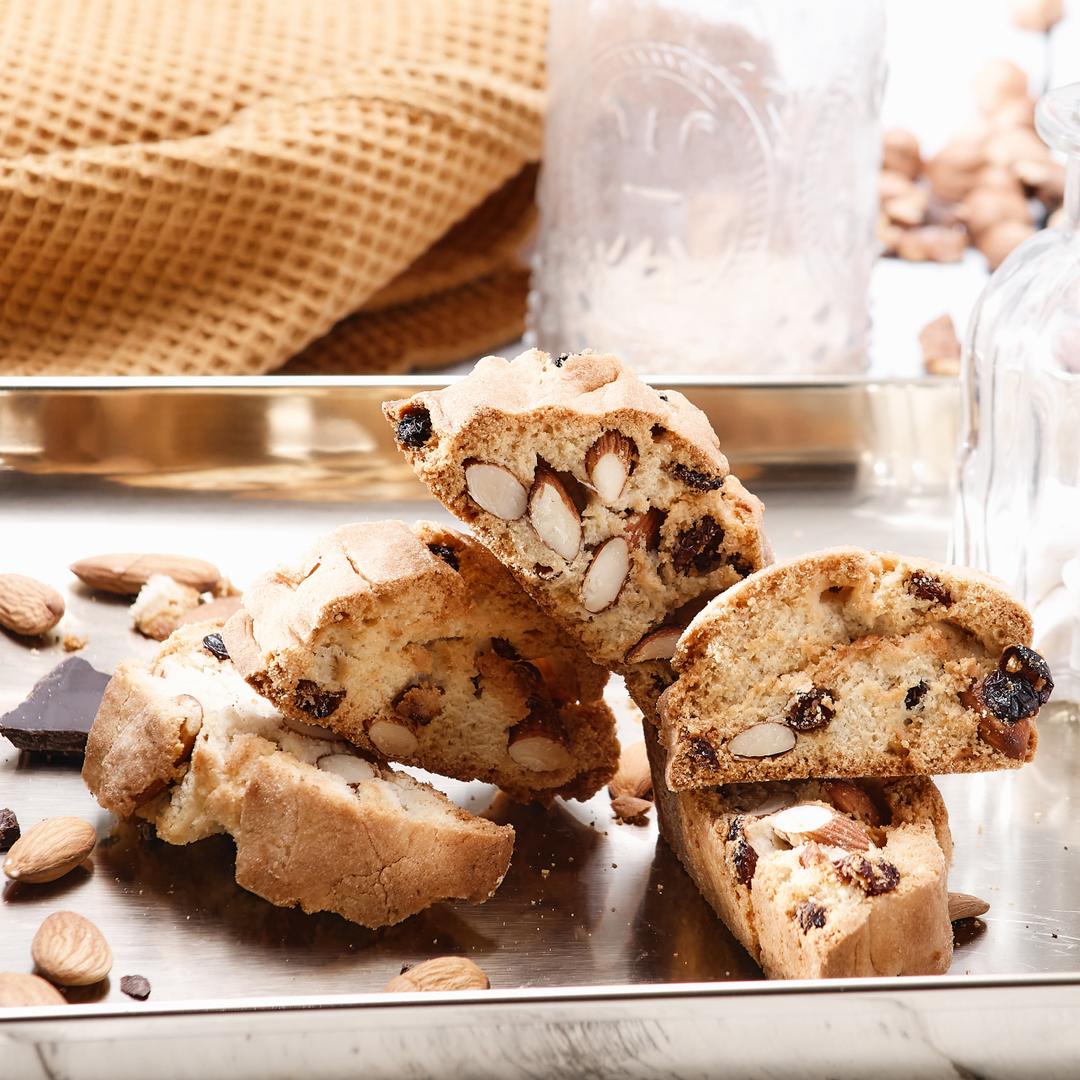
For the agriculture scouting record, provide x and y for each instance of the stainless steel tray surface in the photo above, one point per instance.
(247, 475)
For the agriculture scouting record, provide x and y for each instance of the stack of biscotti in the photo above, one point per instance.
(385, 642)
(800, 712)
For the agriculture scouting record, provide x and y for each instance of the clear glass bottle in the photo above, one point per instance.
(709, 190)
(1018, 510)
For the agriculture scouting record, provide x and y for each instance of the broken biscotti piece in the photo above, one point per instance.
(188, 745)
(415, 642)
(819, 878)
(851, 663)
(610, 502)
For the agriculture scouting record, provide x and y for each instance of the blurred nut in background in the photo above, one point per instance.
(997, 83)
(1038, 15)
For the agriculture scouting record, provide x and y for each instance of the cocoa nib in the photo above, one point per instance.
(915, 694)
(1028, 664)
(744, 857)
(135, 986)
(699, 481)
(214, 645)
(811, 709)
(701, 752)
(447, 554)
(414, 428)
(874, 877)
(313, 700)
(9, 829)
(925, 586)
(697, 549)
(811, 915)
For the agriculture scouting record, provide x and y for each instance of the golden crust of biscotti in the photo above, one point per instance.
(852, 663)
(307, 841)
(903, 931)
(415, 643)
(690, 528)
(375, 850)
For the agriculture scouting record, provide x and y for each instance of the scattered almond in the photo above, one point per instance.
(18, 989)
(983, 208)
(932, 243)
(998, 82)
(965, 906)
(998, 243)
(442, 973)
(633, 776)
(126, 574)
(70, 950)
(900, 153)
(940, 347)
(1038, 15)
(49, 850)
(630, 811)
(27, 606)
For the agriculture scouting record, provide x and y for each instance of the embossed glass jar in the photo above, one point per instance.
(1018, 511)
(709, 190)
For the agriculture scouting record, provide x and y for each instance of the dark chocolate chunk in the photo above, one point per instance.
(414, 428)
(135, 986)
(915, 694)
(214, 644)
(57, 715)
(9, 829)
(447, 554)
(313, 700)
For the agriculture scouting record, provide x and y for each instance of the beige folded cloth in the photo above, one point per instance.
(210, 186)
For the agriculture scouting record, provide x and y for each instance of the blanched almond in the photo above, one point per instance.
(51, 849)
(496, 490)
(70, 950)
(554, 516)
(656, 645)
(606, 575)
(608, 463)
(762, 740)
(966, 906)
(393, 740)
(351, 769)
(442, 973)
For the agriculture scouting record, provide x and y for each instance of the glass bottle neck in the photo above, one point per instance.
(1072, 191)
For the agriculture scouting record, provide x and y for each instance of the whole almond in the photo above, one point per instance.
(18, 988)
(442, 973)
(70, 950)
(965, 906)
(27, 606)
(51, 849)
(125, 575)
(632, 777)
(631, 811)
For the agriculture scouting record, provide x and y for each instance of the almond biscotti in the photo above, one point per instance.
(610, 502)
(851, 663)
(186, 744)
(417, 644)
(817, 879)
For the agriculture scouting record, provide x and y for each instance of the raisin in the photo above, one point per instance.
(697, 549)
(699, 481)
(447, 554)
(740, 566)
(414, 428)
(213, 644)
(811, 709)
(873, 877)
(1018, 660)
(1009, 697)
(744, 857)
(811, 915)
(502, 647)
(313, 700)
(915, 694)
(701, 752)
(925, 586)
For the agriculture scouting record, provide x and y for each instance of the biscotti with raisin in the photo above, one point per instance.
(611, 502)
(834, 878)
(415, 643)
(851, 663)
(186, 744)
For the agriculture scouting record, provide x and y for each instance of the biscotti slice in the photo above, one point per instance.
(819, 878)
(851, 663)
(186, 744)
(610, 502)
(416, 643)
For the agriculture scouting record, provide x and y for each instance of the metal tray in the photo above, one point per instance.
(603, 958)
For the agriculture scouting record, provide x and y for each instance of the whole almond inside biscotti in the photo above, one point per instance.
(69, 950)
(126, 574)
(442, 973)
(49, 850)
(27, 606)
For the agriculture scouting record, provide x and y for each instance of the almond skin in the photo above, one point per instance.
(442, 973)
(51, 849)
(608, 464)
(70, 950)
(966, 906)
(27, 606)
(18, 989)
(631, 811)
(632, 777)
(126, 574)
